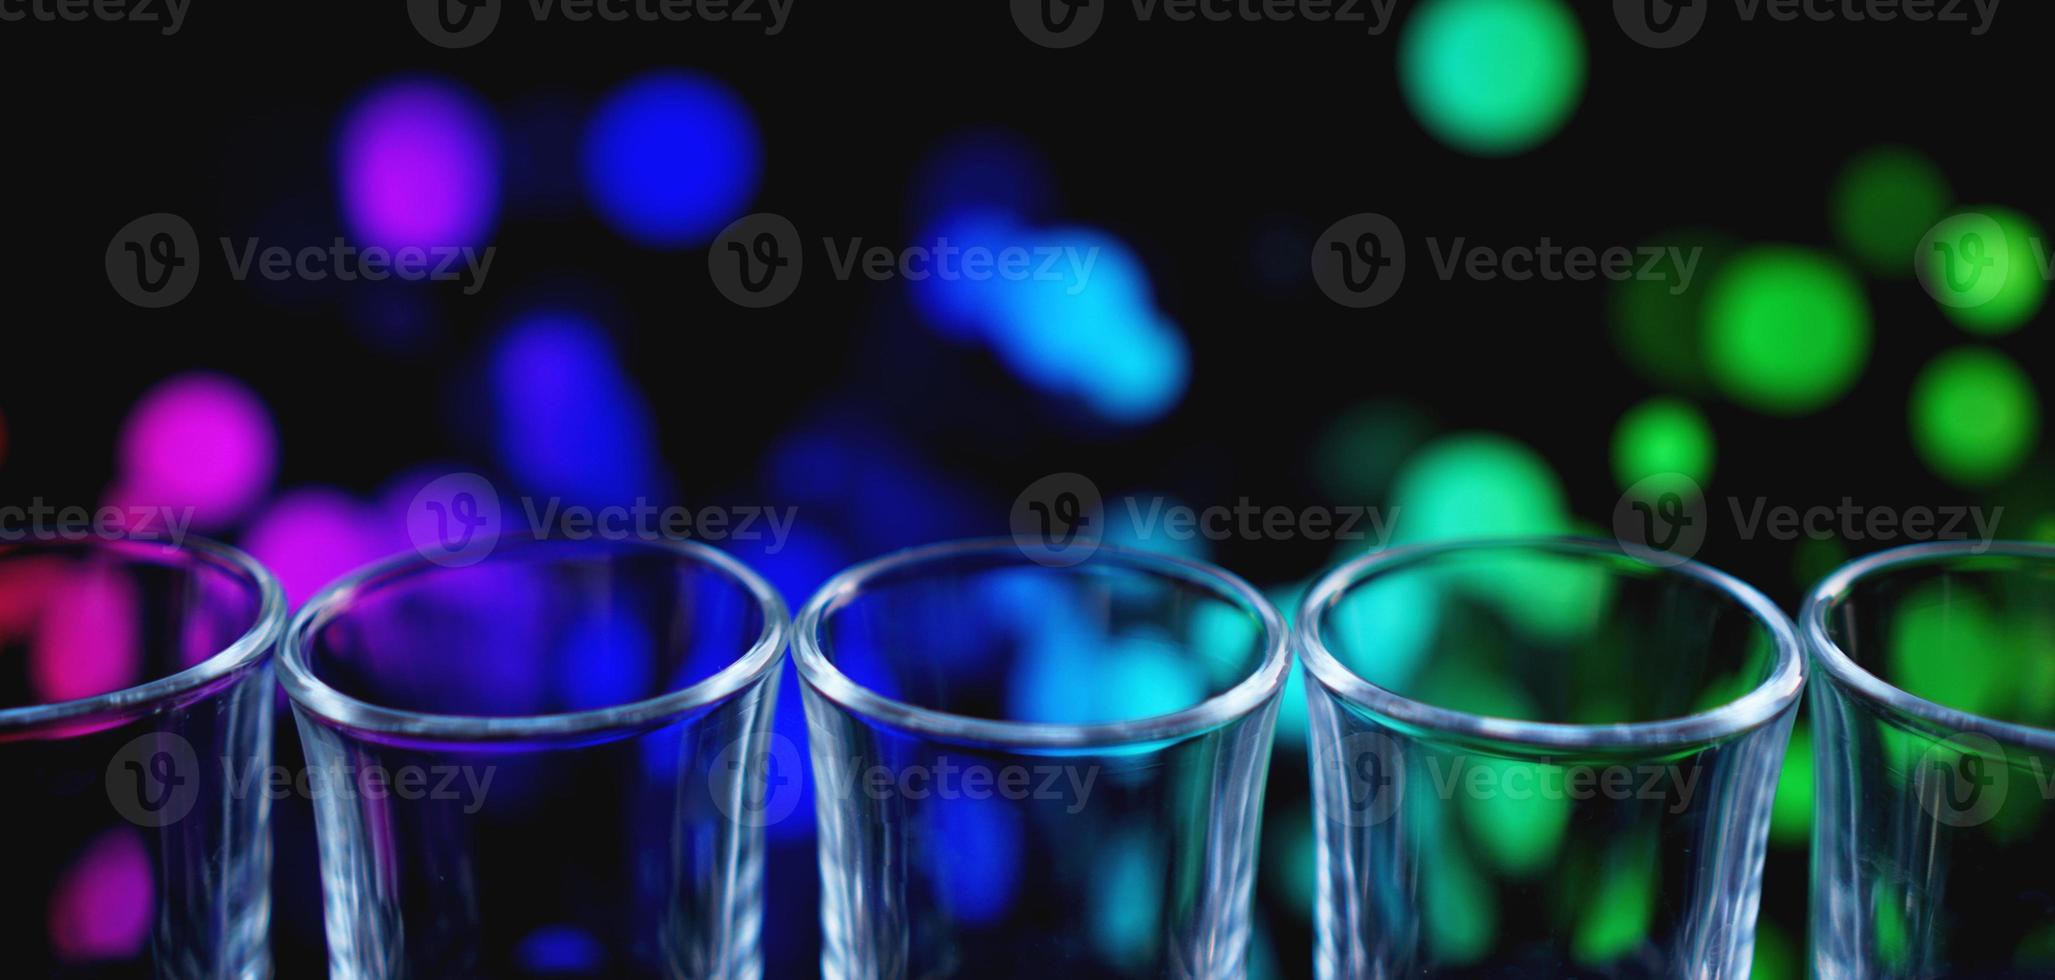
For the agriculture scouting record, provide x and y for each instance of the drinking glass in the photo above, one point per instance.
(135, 708)
(1036, 770)
(1935, 753)
(1543, 757)
(541, 762)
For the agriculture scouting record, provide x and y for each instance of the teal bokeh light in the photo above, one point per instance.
(1492, 77)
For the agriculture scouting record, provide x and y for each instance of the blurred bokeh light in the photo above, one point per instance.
(671, 157)
(1884, 200)
(1787, 329)
(1975, 416)
(1492, 77)
(418, 163)
(199, 441)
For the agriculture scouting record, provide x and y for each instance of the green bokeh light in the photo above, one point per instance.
(1787, 329)
(1477, 484)
(1480, 485)
(1776, 956)
(1662, 435)
(1791, 815)
(1492, 77)
(1884, 201)
(1518, 828)
(1657, 327)
(1948, 646)
(1615, 921)
(1975, 416)
(1462, 911)
(2017, 266)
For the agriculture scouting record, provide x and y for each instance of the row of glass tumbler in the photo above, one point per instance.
(559, 759)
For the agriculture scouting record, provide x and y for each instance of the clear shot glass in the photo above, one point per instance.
(1542, 758)
(541, 763)
(135, 710)
(1934, 748)
(1028, 770)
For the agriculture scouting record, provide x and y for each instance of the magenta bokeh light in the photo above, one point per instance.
(201, 441)
(100, 909)
(312, 536)
(85, 635)
(418, 165)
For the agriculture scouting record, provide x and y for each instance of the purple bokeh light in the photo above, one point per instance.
(100, 909)
(200, 441)
(418, 164)
(311, 536)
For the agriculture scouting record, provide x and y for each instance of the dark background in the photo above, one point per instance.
(1216, 151)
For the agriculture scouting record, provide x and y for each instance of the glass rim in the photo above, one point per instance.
(312, 694)
(1846, 673)
(1265, 682)
(249, 648)
(1763, 703)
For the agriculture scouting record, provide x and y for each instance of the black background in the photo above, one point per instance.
(1189, 141)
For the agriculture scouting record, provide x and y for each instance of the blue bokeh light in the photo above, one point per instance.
(559, 950)
(671, 157)
(570, 422)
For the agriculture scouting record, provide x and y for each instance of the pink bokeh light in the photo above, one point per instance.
(86, 641)
(101, 907)
(312, 536)
(200, 441)
(418, 165)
